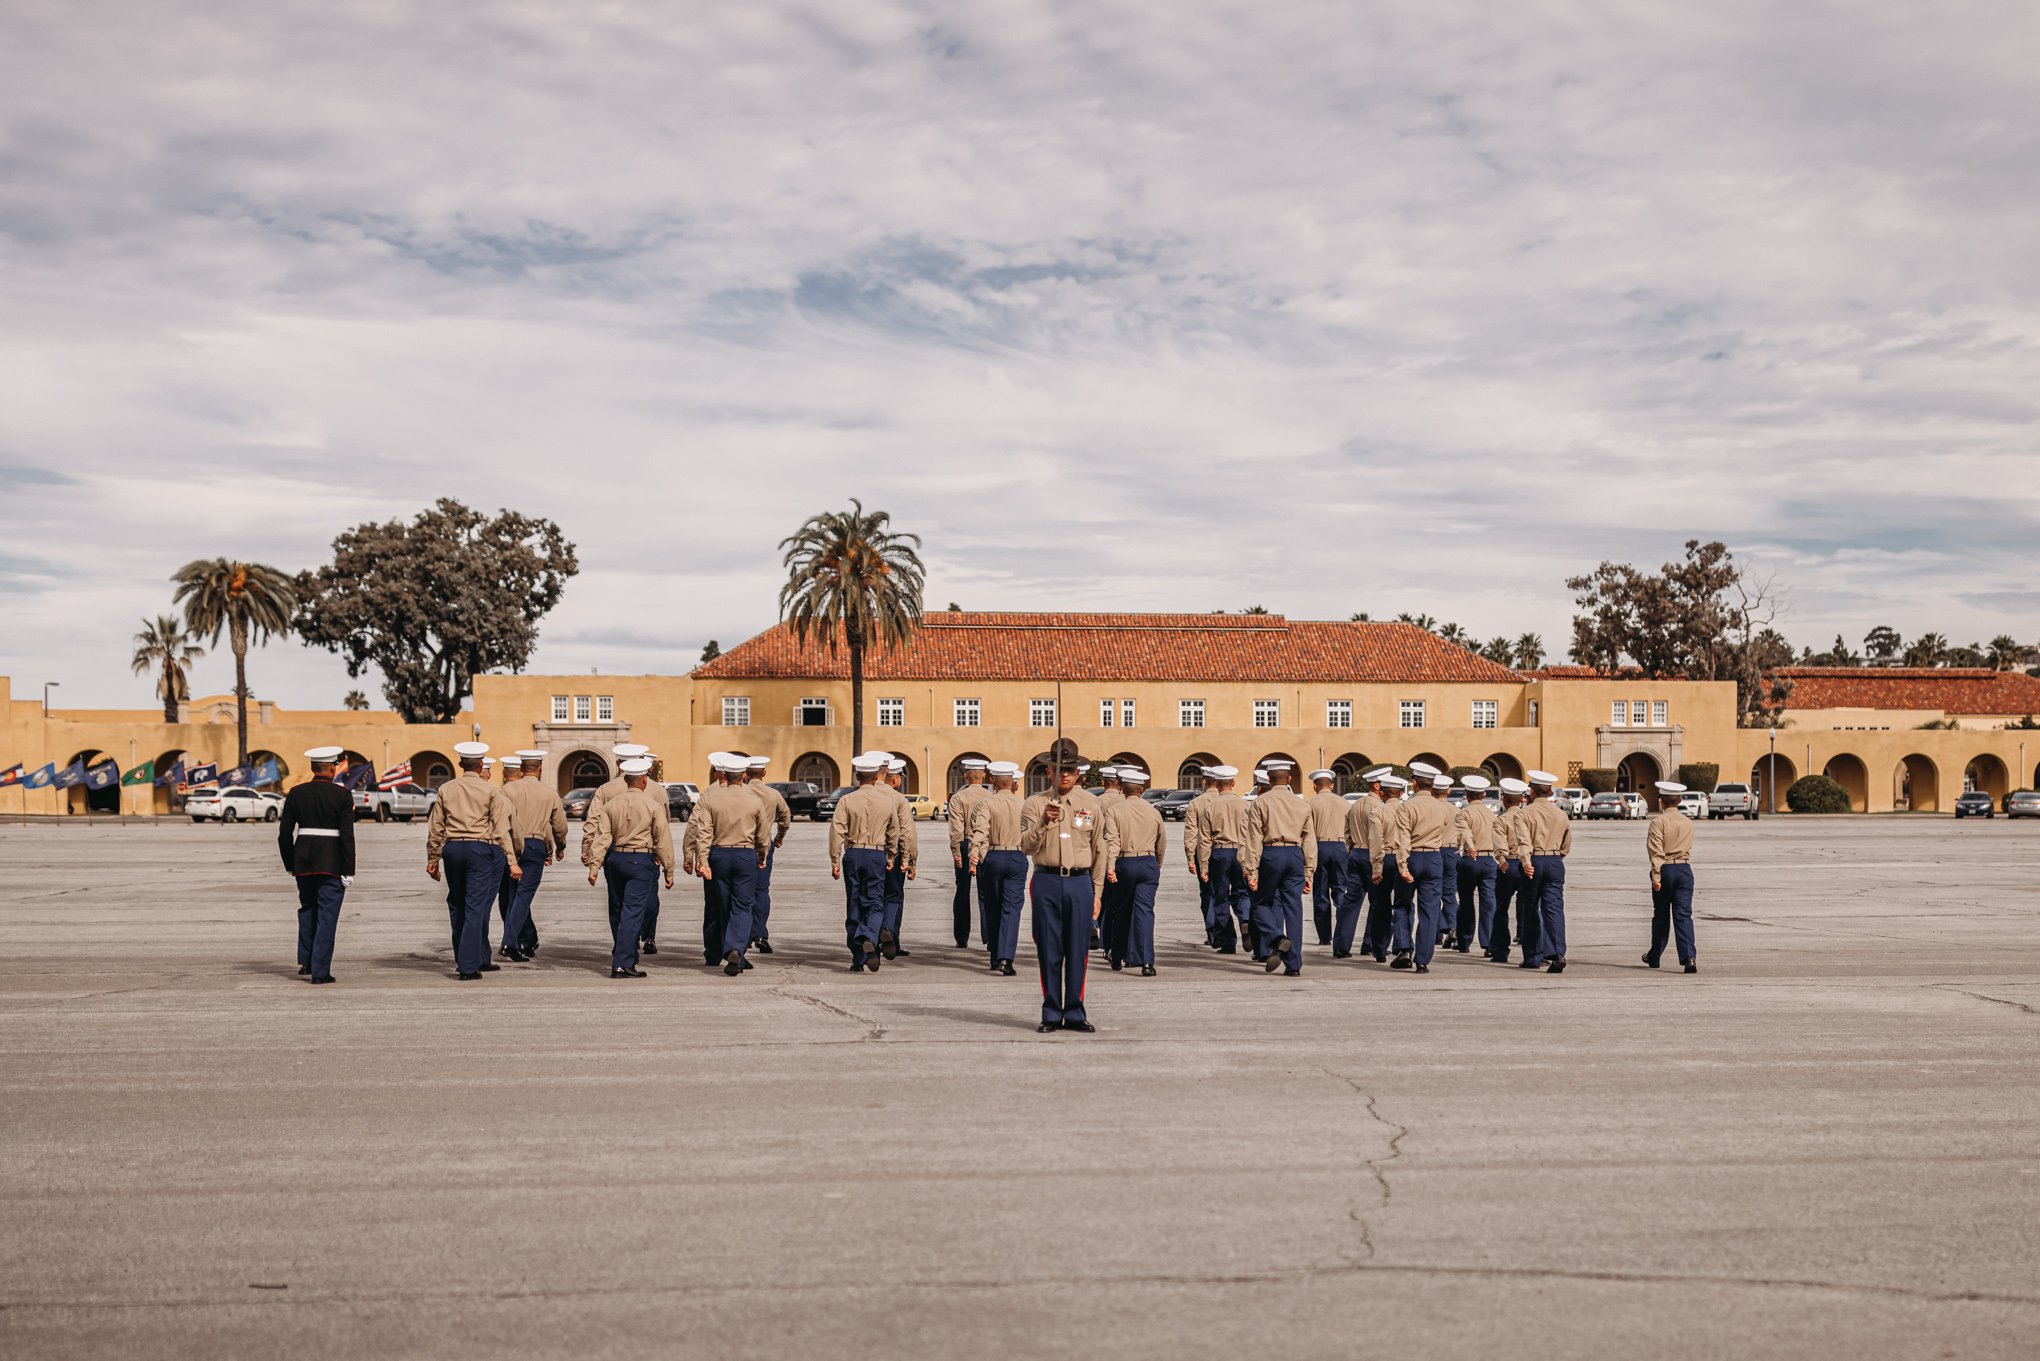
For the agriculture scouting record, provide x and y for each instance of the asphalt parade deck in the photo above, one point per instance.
(1825, 1144)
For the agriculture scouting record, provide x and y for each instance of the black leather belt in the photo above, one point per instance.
(1281, 843)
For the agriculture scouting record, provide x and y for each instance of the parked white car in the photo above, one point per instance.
(1636, 806)
(234, 805)
(1693, 804)
(1573, 801)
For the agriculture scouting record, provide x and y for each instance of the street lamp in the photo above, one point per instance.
(48, 686)
(1771, 775)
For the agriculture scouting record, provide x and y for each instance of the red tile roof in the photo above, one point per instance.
(1118, 647)
(1951, 690)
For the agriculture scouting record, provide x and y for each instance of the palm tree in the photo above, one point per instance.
(852, 581)
(1529, 652)
(1452, 633)
(239, 599)
(1499, 651)
(355, 701)
(2005, 652)
(164, 643)
(1929, 649)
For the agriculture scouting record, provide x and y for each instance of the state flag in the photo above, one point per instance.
(356, 776)
(205, 774)
(71, 775)
(173, 776)
(239, 775)
(105, 775)
(145, 773)
(12, 775)
(266, 773)
(43, 778)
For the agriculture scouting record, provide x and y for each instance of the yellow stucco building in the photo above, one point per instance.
(1167, 692)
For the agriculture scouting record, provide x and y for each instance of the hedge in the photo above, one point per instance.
(1700, 775)
(1459, 773)
(1816, 794)
(1598, 781)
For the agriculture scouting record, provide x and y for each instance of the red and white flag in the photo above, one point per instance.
(394, 776)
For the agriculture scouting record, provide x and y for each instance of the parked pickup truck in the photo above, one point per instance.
(402, 803)
(1732, 801)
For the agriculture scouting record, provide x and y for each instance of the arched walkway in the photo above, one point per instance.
(166, 798)
(1348, 769)
(1639, 770)
(81, 798)
(1849, 772)
(1130, 758)
(1770, 777)
(431, 769)
(582, 770)
(1297, 769)
(1988, 774)
(1502, 766)
(1429, 758)
(1037, 775)
(1917, 785)
(818, 770)
(1189, 775)
(910, 778)
(954, 780)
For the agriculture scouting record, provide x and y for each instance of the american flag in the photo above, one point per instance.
(395, 775)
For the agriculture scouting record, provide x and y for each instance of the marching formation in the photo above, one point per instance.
(1395, 875)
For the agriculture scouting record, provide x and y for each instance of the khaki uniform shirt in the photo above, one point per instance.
(866, 820)
(907, 837)
(1193, 826)
(604, 792)
(1328, 817)
(1477, 826)
(1506, 831)
(468, 809)
(1367, 826)
(963, 806)
(729, 817)
(1669, 841)
(778, 817)
(1542, 828)
(1080, 839)
(1223, 823)
(1279, 818)
(1137, 829)
(1421, 824)
(995, 824)
(1107, 797)
(634, 820)
(535, 811)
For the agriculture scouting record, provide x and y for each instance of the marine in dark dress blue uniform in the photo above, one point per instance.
(315, 837)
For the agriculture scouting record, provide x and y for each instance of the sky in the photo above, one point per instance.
(1168, 305)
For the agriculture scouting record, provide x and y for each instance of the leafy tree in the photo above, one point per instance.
(710, 651)
(244, 600)
(1816, 794)
(1970, 656)
(2005, 652)
(1530, 652)
(1881, 644)
(852, 582)
(955, 608)
(355, 702)
(1254, 609)
(437, 601)
(164, 646)
(1499, 650)
(1929, 649)
(1838, 655)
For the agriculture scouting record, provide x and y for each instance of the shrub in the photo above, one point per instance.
(1816, 794)
(1459, 773)
(1700, 775)
(1598, 781)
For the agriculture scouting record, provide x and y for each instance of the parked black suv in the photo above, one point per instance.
(1175, 802)
(800, 796)
(825, 806)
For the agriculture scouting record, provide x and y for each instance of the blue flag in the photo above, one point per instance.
(72, 774)
(43, 778)
(105, 775)
(266, 773)
(356, 777)
(237, 776)
(205, 774)
(173, 776)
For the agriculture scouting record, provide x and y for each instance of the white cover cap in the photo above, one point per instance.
(323, 754)
(1277, 764)
(1223, 772)
(730, 764)
(1003, 767)
(1393, 781)
(897, 765)
(1511, 785)
(1670, 787)
(1477, 783)
(1375, 775)
(1108, 772)
(1441, 782)
(1133, 774)
(974, 763)
(868, 762)
(623, 751)
(471, 749)
(758, 763)
(637, 765)
(530, 756)
(1544, 777)
(508, 761)
(1425, 769)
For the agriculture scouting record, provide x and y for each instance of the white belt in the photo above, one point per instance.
(317, 831)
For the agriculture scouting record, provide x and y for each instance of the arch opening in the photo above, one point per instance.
(431, 769)
(1916, 785)
(1848, 771)
(1502, 766)
(1770, 777)
(1347, 770)
(1638, 771)
(1189, 775)
(101, 791)
(818, 769)
(581, 770)
(1987, 774)
(953, 780)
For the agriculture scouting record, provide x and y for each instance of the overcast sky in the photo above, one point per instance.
(1168, 305)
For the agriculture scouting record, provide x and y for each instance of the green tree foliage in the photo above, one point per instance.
(165, 648)
(1838, 655)
(355, 702)
(852, 582)
(436, 601)
(1816, 794)
(1881, 644)
(1529, 652)
(1598, 780)
(1700, 775)
(247, 601)
(710, 651)
(2005, 652)
(1929, 649)
(1500, 651)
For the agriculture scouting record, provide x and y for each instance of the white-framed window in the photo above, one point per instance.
(1041, 713)
(1412, 713)
(892, 713)
(1660, 713)
(605, 708)
(1125, 713)
(560, 709)
(1638, 714)
(1106, 711)
(968, 712)
(1618, 714)
(1189, 713)
(584, 708)
(1267, 713)
(1487, 713)
(1338, 713)
(736, 711)
(1533, 713)
(811, 713)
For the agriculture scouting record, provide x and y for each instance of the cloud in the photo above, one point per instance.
(1395, 307)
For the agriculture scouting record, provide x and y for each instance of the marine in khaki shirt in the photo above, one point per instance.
(469, 808)
(1477, 830)
(778, 816)
(994, 825)
(1328, 812)
(963, 806)
(906, 836)
(535, 811)
(1222, 824)
(1076, 837)
(729, 817)
(1278, 818)
(1542, 828)
(1423, 823)
(1136, 829)
(633, 820)
(1193, 826)
(866, 819)
(1669, 841)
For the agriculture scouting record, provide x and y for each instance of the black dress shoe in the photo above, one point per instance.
(1423, 968)
(1380, 956)
(467, 977)
(1557, 965)
(1690, 968)
(902, 952)
(1094, 939)
(1342, 954)
(327, 979)
(1117, 965)
(733, 964)
(1403, 962)
(872, 959)
(529, 950)
(1006, 967)
(303, 969)
(748, 966)
(1147, 971)
(887, 946)
(1650, 961)
(764, 947)
(1046, 1029)
(1466, 949)
(1527, 964)
(1083, 1027)
(650, 947)
(626, 973)
(492, 968)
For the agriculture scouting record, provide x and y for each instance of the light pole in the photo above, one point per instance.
(48, 686)
(1771, 775)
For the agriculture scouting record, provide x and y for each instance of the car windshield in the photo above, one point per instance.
(1731, 789)
(1607, 798)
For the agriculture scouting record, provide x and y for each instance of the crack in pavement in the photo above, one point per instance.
(1985, 997)
(873, 1029)
(1378, 1166)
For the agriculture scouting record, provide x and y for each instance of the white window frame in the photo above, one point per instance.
(1338, 713)
(1041, 713)
(800, 708)
(1618, 713)
(1406, 710)
(1487, 713)
(967, 713)
(584, 708)
(1267, 713)
(605, 708)
(1533, 713)
(736, 711)
(562, 707)
(1106, 710)
(890, 712)
(1639, 714)
(1660, 713)
(1189, 713)
(1125, 713)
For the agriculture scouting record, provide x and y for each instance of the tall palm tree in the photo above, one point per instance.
(240, 599)
(852, 582)
(164, 644)
(1529, 652)
(2005, 652)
